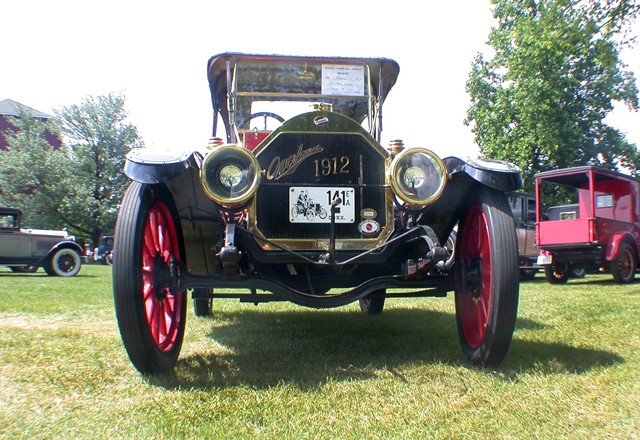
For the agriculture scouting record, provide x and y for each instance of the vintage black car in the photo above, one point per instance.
(104, 252)
(299, 201)
(25, 250)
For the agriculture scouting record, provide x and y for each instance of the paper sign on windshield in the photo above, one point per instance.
(338, 79)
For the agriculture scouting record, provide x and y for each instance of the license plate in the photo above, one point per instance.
(545, 259)
(313, 204)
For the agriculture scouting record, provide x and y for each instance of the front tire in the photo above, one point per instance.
(487, 279)
(151, 318)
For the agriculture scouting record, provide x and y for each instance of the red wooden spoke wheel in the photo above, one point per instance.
(487, 278)
(160, 245)
(148, 248)
(623, 268)
(475, 303)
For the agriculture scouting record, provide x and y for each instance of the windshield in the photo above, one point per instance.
(289, 88)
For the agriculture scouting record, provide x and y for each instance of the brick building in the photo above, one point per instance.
(10, 108)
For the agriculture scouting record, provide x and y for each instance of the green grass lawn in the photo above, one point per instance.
(282, 371)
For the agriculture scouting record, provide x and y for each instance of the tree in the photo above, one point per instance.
(541, 100)
(79, 186)
(98, 138)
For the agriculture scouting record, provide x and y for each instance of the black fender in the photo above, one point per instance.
(496, 174)
(465, 176)
(150, 166)
(63, 244)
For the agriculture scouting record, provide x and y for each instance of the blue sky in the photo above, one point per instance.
(155, 53)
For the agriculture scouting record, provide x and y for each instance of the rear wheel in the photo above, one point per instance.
(623, 268)
(202, 306)
(150, 316)
(373, 304)
(487, 278)
(64, 262)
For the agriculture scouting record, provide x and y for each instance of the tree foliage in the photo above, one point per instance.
(79, 186)
(541, 99)
(98, 137)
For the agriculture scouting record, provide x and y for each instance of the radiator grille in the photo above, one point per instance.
(302, 159)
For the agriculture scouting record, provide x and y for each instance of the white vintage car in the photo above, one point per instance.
(25, 250)
(299, 201)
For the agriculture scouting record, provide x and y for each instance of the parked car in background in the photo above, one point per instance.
(596, 227)
(25, 250)
(523, 208)
(104, 252)
(301, 202)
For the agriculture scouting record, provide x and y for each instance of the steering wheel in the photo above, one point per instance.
(257, 115)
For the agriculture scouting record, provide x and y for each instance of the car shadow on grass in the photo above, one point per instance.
(42, 274)
(591, 280)
(598, 282)
(311, 348)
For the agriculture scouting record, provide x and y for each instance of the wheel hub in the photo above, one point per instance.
(474, 277)
(161, 276)
(469, 277)
(66, 263)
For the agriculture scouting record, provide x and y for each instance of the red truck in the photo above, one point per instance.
(597, 226)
